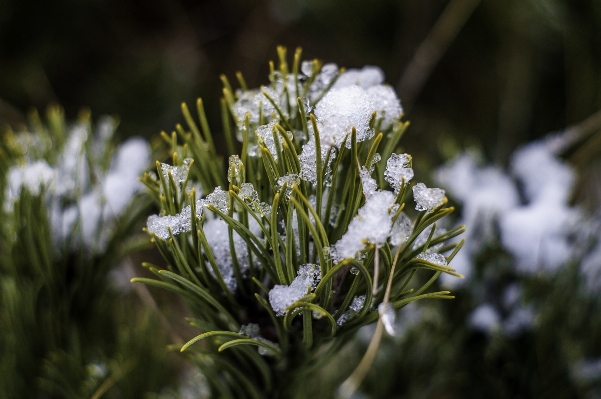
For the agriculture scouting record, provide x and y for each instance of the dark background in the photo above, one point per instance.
(516, 70)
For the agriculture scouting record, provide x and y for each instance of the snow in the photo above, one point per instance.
(371, 225)
(543, 175)
(307, 68)
(387, 105)
(217, 234)
(427, 199)
(78, 191)
(398, 170)
(179, 173)
(282, 296)
(235, 171)
(178, 223)
(511, 316)
(32, 176)
(326, 74)
(536, 235)
(354, 308)
(422, 238)
(290, 180)
(308, 161)
(121, 183)
(265, 134)
(251, 101)
(486, 193)
(219, 199)
(366, 77)
(435, 258)
(339, 111)
(252, 330)
(73, 168)
(367, 182)
(519, 320)
(401, 229)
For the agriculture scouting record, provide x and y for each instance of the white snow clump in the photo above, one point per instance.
(282, 296)
(366, 77)
(371, 225)
(217, 234)
(398, 170)
(93, 202)
(426, 199)
(354, 308)
(537, 233)
(181, 222)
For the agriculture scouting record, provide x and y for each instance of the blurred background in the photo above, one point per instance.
(493, 73)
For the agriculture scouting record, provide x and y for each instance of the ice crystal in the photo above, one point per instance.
(339, 111)
(235, 171)
(219, 199)
(398, 170)
(366, 77)
(422, 238)
(435, 258)
(308, 161)
(265, 134)
(372, 165)
(427, 199)
(401, 230)
(178, 223)
(179, 173)
(252, 330)
(386, 104)
(245, 105)
(371, 226)
(248, 192)
(369, 184)
(217, 234)
(290, 180)
(354, 308)
(249, 195)
(181, 222)
(282, 296)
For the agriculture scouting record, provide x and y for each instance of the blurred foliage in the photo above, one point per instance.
(67, 330)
